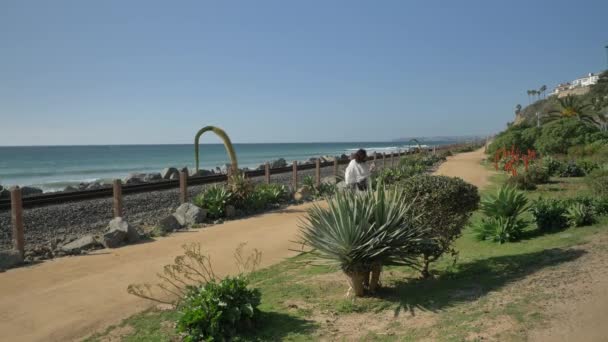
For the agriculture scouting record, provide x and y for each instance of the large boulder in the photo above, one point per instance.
(193, 173)
(10, 258)
(70, 188)
(188, 214)
(119, 232)
(278, 163)
(168, 172)
(87, 242)
(4, 193)
(169, 224)
(94, 186)
(30, 191)
(135, 178)
(153, 177)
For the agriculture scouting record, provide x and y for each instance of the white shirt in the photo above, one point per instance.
(356, 172)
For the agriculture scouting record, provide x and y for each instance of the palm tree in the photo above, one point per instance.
(529, 93)
(517, 109)
(542, 90)
(225, 139)
(573, 107)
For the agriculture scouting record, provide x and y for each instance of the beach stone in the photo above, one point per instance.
(135, 178)
(94, 186)
(30, 191)
(10, 258)
(86, 242)
(201, 173)
(169, 224)
(303, 194)
(4, 193)
(174, 176)
(70, 188)
(188, 214)
(166, 173)
(119, 232)
(153, 177)
(278, 163)
(230, 211)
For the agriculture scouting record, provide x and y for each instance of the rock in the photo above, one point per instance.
(344, 156)
(169, 224)
(153, 177)
(185, 169)
(94, 186)
(188, 214)
(119, 232)
(70, 188)
(201, 173)
(86, 242)
(303, 194)
(10, 258)
(30, 191)
(329, 180)
(4, 193)
(174, 176)
(166, 173)
(230, 211)
(278, 163)
(135, 178)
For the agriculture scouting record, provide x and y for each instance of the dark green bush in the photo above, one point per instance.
(521, 136)
(571, 169)
(214, 199)
(552, 165)
(521, 181)
(587, 166)
(598, 182)
(527, 180)
(549, 214)
(218, 311)
(560, 135)
(503, 216)
(445, 205)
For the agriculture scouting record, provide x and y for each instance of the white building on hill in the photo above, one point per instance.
(577, 87)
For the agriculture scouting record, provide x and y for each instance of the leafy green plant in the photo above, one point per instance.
(580, 214)
(571, 169)
(444, 206)
(240, 187)
(552, 165)
(549, 214)
(214, 199)
(587, 166)
(598, 182)
(218, 311)
(273, 193)
(309, 183)
(360, 232)
(521, 181)
(502, 221)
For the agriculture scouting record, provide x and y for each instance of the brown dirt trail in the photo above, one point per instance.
(69, 298)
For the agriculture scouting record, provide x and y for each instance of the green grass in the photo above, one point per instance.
(305, 302)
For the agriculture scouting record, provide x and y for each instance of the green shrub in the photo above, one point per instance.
(598, 182)
(552, 165)
(240, 187)
(214, 199)
(521, 136)
(571, 169)
(444, 205)
(361, 231)
(580, 214)
(549, 214)
(587, 166)
(521, 181)
(502, 221)
(218, 311)
(558, 136)
(273, 193)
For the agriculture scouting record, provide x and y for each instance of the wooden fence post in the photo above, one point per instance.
(267, 172)
(383, 160)
(318, 172)
(183, 186)
(17, 218)
(392, 159)
(295, 175)
(117, 192)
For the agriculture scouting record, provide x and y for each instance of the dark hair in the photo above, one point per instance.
(360, 155)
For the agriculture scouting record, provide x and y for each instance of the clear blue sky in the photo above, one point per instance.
(110, 72)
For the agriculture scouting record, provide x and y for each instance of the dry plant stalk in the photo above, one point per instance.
(191, 270)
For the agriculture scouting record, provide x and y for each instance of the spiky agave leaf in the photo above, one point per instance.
(357, 230)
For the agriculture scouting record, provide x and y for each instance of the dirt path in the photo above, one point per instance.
(68, 298)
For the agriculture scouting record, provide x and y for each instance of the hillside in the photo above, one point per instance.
(597, 98)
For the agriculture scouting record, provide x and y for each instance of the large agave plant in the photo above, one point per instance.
(360, 232)
(503, 221)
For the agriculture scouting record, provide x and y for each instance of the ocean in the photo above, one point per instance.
(53, 168)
